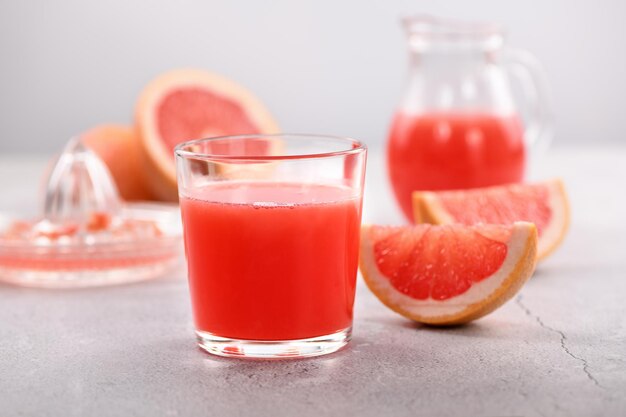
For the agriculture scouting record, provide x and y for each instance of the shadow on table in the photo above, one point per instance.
(525, 330)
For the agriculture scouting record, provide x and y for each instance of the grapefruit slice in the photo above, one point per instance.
(544, 203)
(449, 274)
(187, 104)
(118, 147)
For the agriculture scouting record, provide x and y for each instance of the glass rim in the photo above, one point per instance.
(432, 27)
(356, 146)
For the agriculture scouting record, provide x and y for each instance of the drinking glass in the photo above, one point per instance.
(271, 227)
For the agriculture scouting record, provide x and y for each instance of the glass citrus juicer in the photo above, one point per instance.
(86, 236)
(472, 110)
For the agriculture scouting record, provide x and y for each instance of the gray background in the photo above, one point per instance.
(321, 66)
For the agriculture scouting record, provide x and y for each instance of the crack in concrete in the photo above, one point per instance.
(583, 361)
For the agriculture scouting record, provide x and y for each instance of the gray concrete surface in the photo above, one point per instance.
(558, 349)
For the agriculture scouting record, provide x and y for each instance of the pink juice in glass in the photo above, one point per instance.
(271, 260)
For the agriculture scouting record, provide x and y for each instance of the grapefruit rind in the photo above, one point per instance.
(157, 158)
(427, 208)
(119, 148)
(479, 300)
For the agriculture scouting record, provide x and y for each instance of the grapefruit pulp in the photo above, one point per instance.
(543, 203)
(187, 104)
(449, 274)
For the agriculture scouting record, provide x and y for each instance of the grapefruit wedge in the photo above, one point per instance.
(544, 203)
(187, 104)
(445, 275)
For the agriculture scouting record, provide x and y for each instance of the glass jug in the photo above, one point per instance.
(470, 110)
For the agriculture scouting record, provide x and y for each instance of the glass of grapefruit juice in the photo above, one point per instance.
(271, 226)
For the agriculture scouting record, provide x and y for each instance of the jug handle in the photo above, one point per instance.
(531, 79)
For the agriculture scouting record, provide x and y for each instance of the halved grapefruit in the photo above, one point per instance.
(119, 148)
(544, 203)
(188, 104)
(449, 274)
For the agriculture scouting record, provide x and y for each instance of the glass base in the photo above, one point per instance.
(80, 278)
(273, 349)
